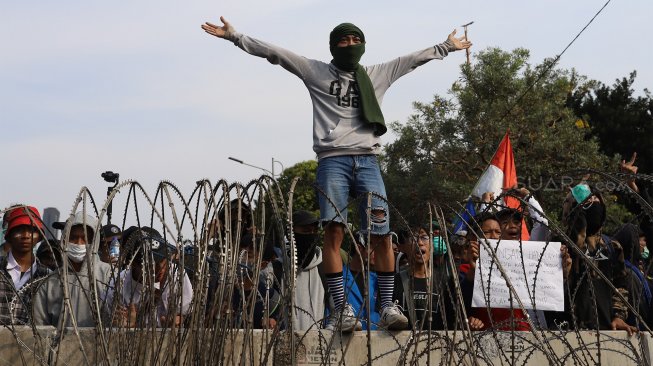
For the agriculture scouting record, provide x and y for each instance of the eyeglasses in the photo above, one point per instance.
(422, 238)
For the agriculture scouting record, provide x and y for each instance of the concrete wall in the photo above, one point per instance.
(145, 347)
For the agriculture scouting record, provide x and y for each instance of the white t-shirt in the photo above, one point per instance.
(131, 292)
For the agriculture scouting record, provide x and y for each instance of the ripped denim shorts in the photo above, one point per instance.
(342, 177)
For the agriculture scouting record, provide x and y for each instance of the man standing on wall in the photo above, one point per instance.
(347, 126)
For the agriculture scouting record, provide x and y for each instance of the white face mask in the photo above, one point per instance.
(76, 252)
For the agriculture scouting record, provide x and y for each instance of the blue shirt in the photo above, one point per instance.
(355, 297)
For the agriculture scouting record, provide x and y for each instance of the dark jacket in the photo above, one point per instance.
(594, 303)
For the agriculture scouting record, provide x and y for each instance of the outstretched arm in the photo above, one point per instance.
(290, 61)
(393, 70)
(225, 31)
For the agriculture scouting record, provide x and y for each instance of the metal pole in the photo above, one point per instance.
(467, 50)
(250, 165)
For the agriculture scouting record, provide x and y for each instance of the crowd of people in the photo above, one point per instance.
(136, 276)
(61, 283)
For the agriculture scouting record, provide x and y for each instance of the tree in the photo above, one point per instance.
(304, 197)
(622, 122)
(444, 147)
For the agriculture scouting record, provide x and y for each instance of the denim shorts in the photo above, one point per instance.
(342, 177)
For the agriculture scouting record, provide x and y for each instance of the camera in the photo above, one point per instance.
(110, 177)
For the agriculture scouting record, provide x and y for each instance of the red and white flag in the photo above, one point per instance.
(499, 176)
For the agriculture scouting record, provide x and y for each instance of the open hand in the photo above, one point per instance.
(221, 32)
(459, 43)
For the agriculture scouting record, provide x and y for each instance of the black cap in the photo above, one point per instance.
(136, 239)
(110, 230)
(303, 218)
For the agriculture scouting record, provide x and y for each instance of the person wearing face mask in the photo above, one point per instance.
(594, 303)
(309, 291)
(20, 272)
(347, 127)
(50, 299)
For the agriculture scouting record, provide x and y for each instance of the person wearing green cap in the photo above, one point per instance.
(347, 129)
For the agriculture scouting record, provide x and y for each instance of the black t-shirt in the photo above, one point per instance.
(419, 297)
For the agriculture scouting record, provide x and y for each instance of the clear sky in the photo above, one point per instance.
(138, 88)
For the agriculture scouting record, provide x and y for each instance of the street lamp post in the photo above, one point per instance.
(278, 162)
(258, 167)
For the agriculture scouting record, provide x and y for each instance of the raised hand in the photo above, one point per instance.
(487, 197)
(473, 257)
(629, 167)
(459, 43)
(221, 32)
(566, 261)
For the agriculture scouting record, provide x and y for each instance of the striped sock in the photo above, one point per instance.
(337, 290)
(386, 287)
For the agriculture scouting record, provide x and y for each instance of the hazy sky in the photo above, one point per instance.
(138, 88)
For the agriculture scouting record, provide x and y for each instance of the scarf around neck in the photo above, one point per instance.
(347, 59)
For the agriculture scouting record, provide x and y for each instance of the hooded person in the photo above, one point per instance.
(309, 291)
(595, 305)
(79, 268)
(347, 129)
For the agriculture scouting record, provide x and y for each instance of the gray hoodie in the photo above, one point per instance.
(338, 127)
(49, 304)
(309, 296)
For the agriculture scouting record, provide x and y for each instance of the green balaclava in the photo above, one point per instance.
(347, 59)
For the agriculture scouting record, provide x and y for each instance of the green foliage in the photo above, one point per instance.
(304, 197)
(622, 122)
(443, 148)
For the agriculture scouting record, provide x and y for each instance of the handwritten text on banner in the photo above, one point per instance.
(548, 289)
